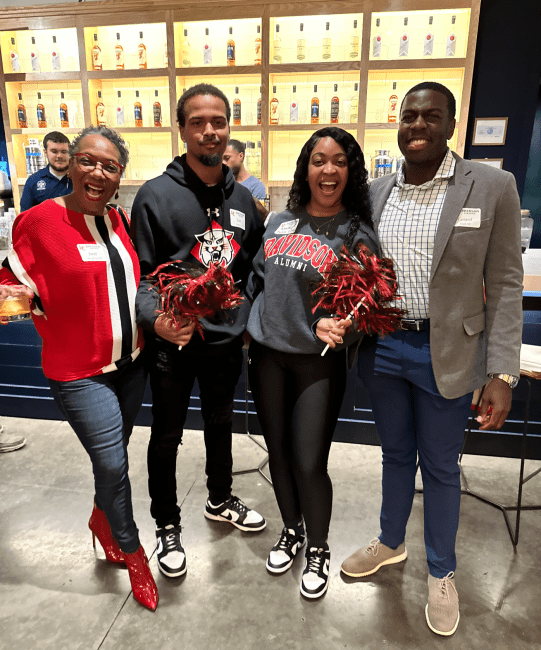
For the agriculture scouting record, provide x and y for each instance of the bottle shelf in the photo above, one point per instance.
(34, 77)
(209, 71)
(408, 64)
(127, 74)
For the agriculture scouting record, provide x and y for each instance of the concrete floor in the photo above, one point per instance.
(56, 594)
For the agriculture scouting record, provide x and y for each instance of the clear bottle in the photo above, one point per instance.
(327, 42)
(301, 44)
(100, 111)
(119, 54)
(428, 45)
(376, 42)
(142, 52)
(237, 108)
(258, 160)
(335, 106)
(294, 107)
(259, 107)
(64, 117)
(34, 56)
(450, 47)
(186, 50)
(257, 47)
(354, 113)
(277, 46)
(231, 48)
(120, 114)
(55, 56)
(354, 42)
(22, 122)
(138, 111)
(392, 113)
(314, 108)
(40, 110)
(403, 49)
(14, 62)
(207, 48)
(274, 107)
(96, 55)
(157, 110)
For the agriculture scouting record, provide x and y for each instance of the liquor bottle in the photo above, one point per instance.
(428, 45)
(186, 49)
(301, 44)
(142, 52)
(326, 49)
(157, 110)
(100, 111)
(96, 55)
(40, 110)
(314, 108)
(231, 48)
(376, 42)
(277, 45)
(138, 110)
(354, 114)
(354, 42)
(14, 57)
(258, 160)
(64, 118)
(55, 56)
(236, 108)
(393, 105)
(119, 54)
(404, 47)
(335, 106)
(165, 56)
(120, 115)
(259, 107)
(207, 49)
(257, 46)
(294, 107)
(21, 113)
(274, 107)
(34, 57)
(450, 47)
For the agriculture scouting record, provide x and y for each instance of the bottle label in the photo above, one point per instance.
(428, 47)
(120, 119)
(451, 45)
(259, 111)
(142, 51)
(258, 49)
(63, 114)
(138, 113)
(354, 115)
(314, 110)
(100, 114)
(21, 116)
(230, 52)
(294, 112)
(274, 111)
(326, 48)
(236, 112)
(96, 58)
(353, 46)
(119, 52)
(301, 49)
(335, 107)
(55, 56)
(34, 58)
(207, 54)
(14, 60)
(404, 45)
(376, 45)
(157, 113)
(41, 114)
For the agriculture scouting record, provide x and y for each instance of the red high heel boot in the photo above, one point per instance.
(142, 583)
(100, 528)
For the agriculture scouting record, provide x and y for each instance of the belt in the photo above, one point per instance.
(413, 325)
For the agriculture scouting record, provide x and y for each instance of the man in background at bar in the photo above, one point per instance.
(197, 213)
(234, 159)
(52, 180)
(452, 228)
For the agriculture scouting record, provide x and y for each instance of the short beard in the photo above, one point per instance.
(213, 160)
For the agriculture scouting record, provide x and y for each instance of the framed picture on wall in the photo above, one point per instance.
(489, 131)
(493, 162)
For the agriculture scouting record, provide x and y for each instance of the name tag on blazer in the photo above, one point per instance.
(469, 218)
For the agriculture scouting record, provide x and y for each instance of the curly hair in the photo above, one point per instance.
(194, 91)
(355, 197)
(106, 133)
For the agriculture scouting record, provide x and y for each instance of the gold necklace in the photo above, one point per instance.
(322, 225)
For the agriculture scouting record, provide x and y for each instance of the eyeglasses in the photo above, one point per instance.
(88, 163)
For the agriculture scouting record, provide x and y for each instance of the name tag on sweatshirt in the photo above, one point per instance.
(287, 227)
(469, 218)
(92, 252)
(238, 219)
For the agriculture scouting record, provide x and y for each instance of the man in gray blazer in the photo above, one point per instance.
(452, 228)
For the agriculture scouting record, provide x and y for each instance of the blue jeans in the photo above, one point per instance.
(101, 411)
(415, 421)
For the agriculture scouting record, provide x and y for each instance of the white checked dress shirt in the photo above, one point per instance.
(407, 230)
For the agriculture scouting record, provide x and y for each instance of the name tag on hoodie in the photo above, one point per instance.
(238, 219)
(469, 218)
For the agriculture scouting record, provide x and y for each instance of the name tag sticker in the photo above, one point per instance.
(92, 252)
(238, 219)
(287, 227)
(469, 218)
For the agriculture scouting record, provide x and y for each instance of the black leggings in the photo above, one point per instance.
(298, 399)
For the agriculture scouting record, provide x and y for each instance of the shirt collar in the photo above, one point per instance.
(446, 170)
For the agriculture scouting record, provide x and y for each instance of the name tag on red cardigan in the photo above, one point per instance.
(92, 252)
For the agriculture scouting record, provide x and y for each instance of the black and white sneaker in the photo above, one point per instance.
(284, 551)
(315, 576)
(237, 513)
(170, 552)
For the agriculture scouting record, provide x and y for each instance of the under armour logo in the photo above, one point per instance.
(215, 212)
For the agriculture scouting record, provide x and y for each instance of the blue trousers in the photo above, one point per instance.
(413, 421)
(101, 411)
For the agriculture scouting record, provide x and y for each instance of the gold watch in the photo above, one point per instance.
(511, 380)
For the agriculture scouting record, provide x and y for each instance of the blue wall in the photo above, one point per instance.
(531, 199)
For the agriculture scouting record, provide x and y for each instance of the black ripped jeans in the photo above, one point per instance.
(172, 376)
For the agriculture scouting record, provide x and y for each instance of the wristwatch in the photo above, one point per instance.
(511, 380)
